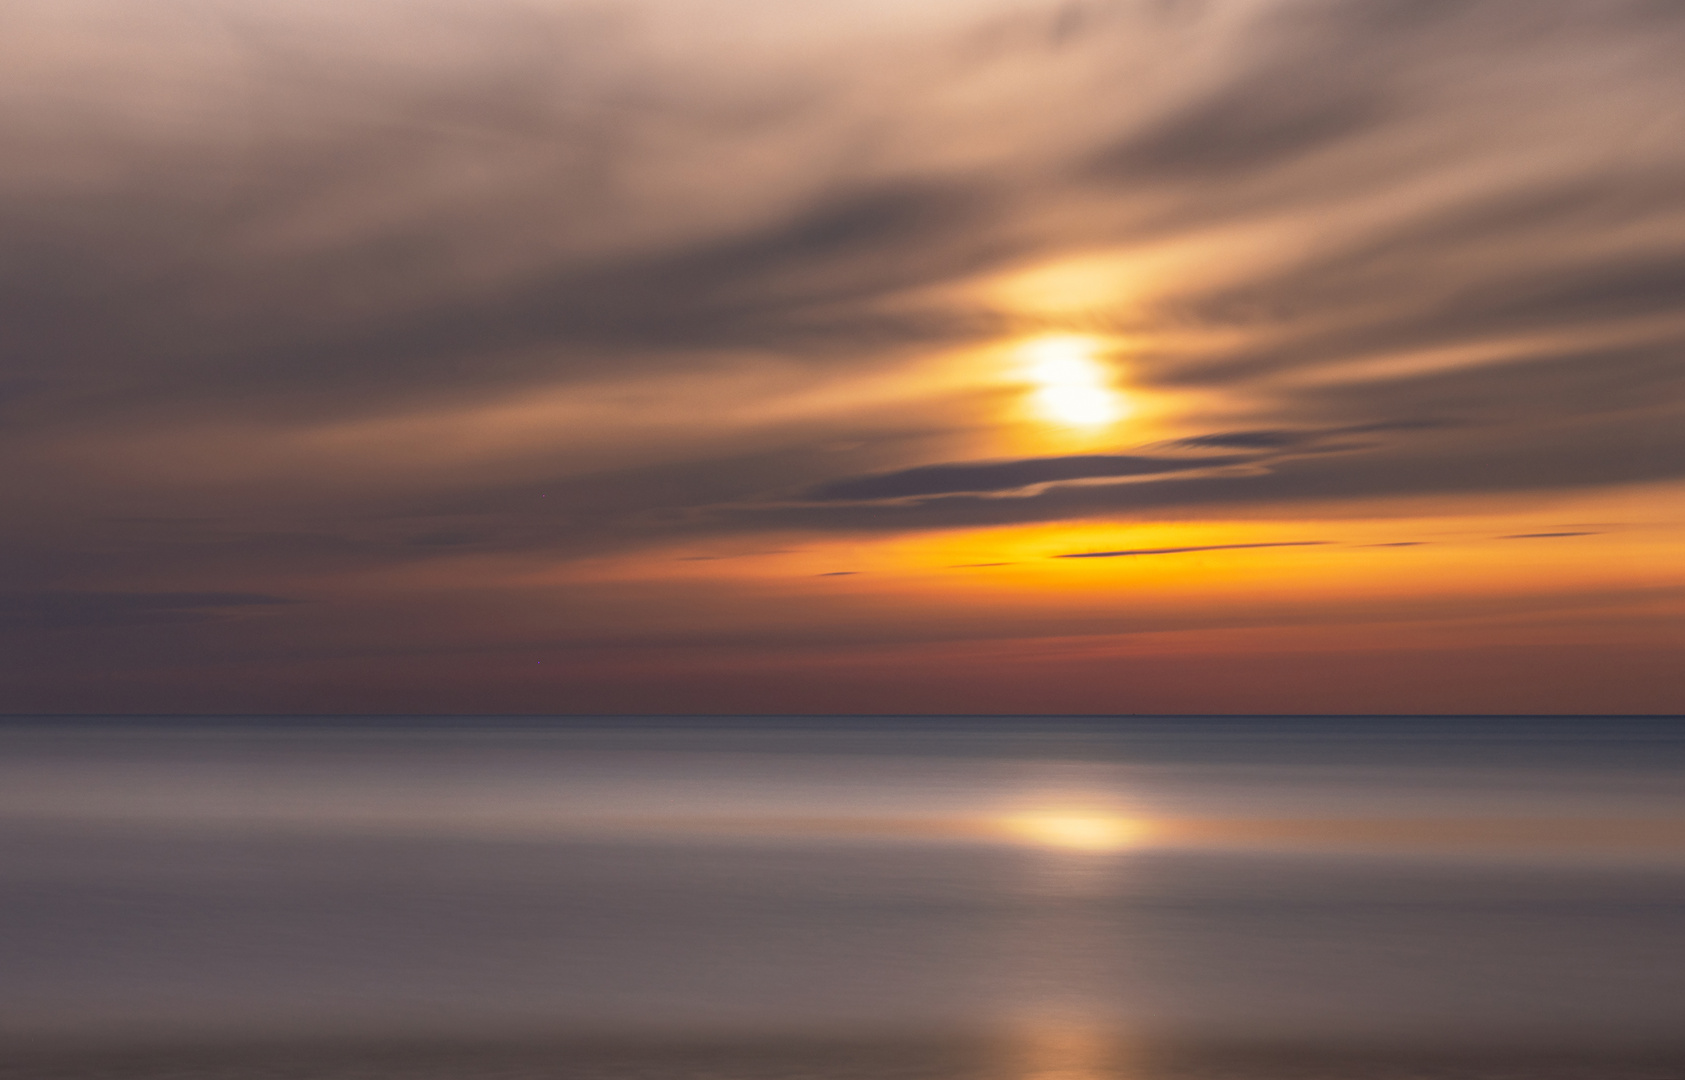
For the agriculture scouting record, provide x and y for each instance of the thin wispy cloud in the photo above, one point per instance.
(1186, 550)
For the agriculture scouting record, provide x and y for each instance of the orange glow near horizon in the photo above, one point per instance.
(1471, 554)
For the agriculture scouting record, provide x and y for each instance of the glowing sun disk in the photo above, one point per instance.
(1073, 387)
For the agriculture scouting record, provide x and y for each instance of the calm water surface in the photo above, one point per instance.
(1015, 898)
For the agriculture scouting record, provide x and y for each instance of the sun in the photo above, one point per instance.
(1081, 831)
(1072, 385)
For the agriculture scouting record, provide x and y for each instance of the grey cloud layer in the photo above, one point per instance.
(272, 215)
(1480, 461)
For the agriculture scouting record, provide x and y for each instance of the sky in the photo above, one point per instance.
(729, 356)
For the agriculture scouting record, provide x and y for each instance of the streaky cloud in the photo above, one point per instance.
(64, 608)
(1009, 475)
(1184, 550)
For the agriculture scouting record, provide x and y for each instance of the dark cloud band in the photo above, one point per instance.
(1185, 550)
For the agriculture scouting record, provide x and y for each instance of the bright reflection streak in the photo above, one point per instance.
(1068, 1051)
(1080, 831)
(1072, 386)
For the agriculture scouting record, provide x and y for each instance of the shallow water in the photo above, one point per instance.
(1034, 899)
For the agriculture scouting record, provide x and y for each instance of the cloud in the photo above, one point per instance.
(1245, 440)
(1287, 439)
(336, 292)
(51, 609)
(805, 284)
(1263, 118)
(1008, 475)
(1183, 550)
(429, 204)
(1438, 461)
(1029, 475)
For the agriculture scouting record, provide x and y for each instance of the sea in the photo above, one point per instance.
(842, 898)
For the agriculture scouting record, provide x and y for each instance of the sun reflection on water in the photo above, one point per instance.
(1082, 831)
(1067, 1049)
